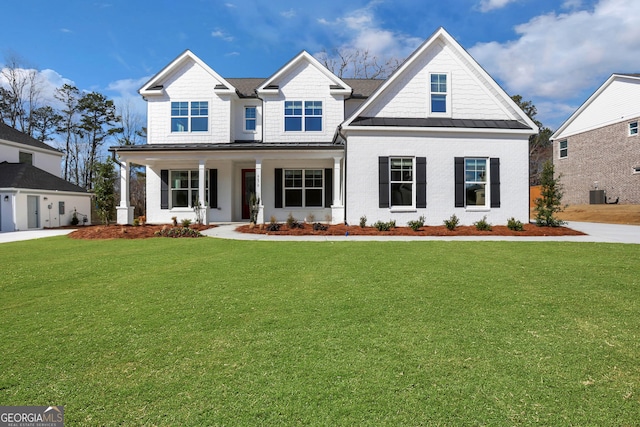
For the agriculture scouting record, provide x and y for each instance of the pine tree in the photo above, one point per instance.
(550, 201)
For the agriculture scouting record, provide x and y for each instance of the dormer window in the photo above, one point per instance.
(190, 116)
(299, 119)
(439, 93)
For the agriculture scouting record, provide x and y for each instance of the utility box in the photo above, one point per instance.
(597, 197)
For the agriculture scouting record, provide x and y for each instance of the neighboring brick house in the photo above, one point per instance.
(597, 150)
(438, 137)
(32, 194)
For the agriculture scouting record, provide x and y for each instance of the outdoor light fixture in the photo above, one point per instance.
(6, 198)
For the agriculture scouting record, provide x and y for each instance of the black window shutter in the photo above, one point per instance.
(164, 189)
(213, 188)
(459, 182)
(421, 182)
(328, 188)
(278, 188)
(494, 165)
(383, 182)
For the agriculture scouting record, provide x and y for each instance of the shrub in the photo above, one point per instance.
(514, 224)
(452, 222)
(311, 218)
(293, 223)
(142, 219)
(319, 227)
(416, 224)
(363, 221)
(550, 201)
(178, 232)
(185, 223)
(174, 219)
(273, 226)
(74, 218)
(482, 224)
(136, 222)
(384, 226)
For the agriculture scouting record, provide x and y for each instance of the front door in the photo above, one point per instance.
(248, 187)
(32, 212)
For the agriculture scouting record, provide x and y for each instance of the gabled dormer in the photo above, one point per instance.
(440, 86)
(303, 101)
(188, 102)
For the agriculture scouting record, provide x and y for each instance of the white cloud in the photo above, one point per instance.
(47, 83)
(218, 33)
(288, 14)
(559, 55)
(487, 5)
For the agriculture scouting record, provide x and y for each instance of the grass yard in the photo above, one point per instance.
(195, 332)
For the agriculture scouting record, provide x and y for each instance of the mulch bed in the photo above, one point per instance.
(124, 231)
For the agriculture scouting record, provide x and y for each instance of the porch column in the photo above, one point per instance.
(337, 208)
(260, 218)
(124, 213)
(204, 211)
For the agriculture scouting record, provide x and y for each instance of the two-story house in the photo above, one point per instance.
(438, 137)
(597, 149)
(32, 194)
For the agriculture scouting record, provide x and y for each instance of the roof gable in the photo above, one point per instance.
(7, 133)
(271, 84)
(155, 86)
(615, 101)
(440, 53)
(23, 175)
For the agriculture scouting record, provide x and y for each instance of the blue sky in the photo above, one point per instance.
(555, 53)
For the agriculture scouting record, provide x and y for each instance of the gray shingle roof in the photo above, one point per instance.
(10, 134)
(23, 175)
(433, 122)
(362, 88)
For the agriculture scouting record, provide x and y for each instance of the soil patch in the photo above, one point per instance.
(124, 231)
(439, 230)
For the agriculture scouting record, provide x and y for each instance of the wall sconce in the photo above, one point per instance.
(46, 198)
(6, 198)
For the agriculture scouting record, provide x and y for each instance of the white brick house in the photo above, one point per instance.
(438, 137)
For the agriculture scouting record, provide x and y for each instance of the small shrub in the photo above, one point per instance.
(452, 222)
(178, 232)
(136, 222)
(416, 224)
(74, 218)
(273, 226)
(384, 226)
(272, 220)
(185, 223)
(514, 224)
(174, 219)
(363, 221)
(142, 220)
(319, 227)
(311, 218)
(293, 223)
(482, 224)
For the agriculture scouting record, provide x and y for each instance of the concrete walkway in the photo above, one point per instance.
(609, 233)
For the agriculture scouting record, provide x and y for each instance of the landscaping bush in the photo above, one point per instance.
(416, 224)
(482, 224)
(273, 226)
(514, 224)
(178, 232)
(452, 222)
(185, 223)
(293, 223)
(319, 227)
(363, 221)
(384, 226)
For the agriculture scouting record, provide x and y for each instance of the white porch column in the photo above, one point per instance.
(337, 208)
(260, 218)
(124, 212)
(204, 211)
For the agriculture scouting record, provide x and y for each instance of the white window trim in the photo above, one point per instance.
(636, 170)
(303, 188)
(189, 207)
(403, 208)
(487, 186)
(303, 116)
(189, 116)
(244, 119)
(560, 156)
(636, 128)
(447, 113)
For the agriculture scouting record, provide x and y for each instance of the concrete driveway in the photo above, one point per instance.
(16, 236)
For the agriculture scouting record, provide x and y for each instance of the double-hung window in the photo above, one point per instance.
(401, 181)
(250, 119)
(302, 116)
(303, 187)
(438, 93)
(633, 128)
(190, 116)
(564, 148)
(185, 187)
(475, 181)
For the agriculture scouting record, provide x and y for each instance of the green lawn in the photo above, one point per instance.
(195, 332)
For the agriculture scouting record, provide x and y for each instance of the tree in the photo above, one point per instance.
(20, 96)
(104, 189)
(550, 201)
(539, 144)
(68, 127)
(98, 120)
(357, 63)
(45, 122)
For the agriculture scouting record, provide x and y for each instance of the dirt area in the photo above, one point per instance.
(124, 231)
(611, 214)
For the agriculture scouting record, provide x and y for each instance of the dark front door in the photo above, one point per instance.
(248, 187)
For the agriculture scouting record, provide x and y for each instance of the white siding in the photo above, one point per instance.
(237, 129)
(46, 160)
(440, 151)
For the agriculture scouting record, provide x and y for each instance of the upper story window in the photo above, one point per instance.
(438, 93)
(475, 182)
(190, 116)
(401, 181)
(25, 157)
(633, 128)
(250, 119)
(564, 149)
(299, 119)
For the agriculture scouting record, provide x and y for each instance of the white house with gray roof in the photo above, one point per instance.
(438, 137)
(32, 194)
